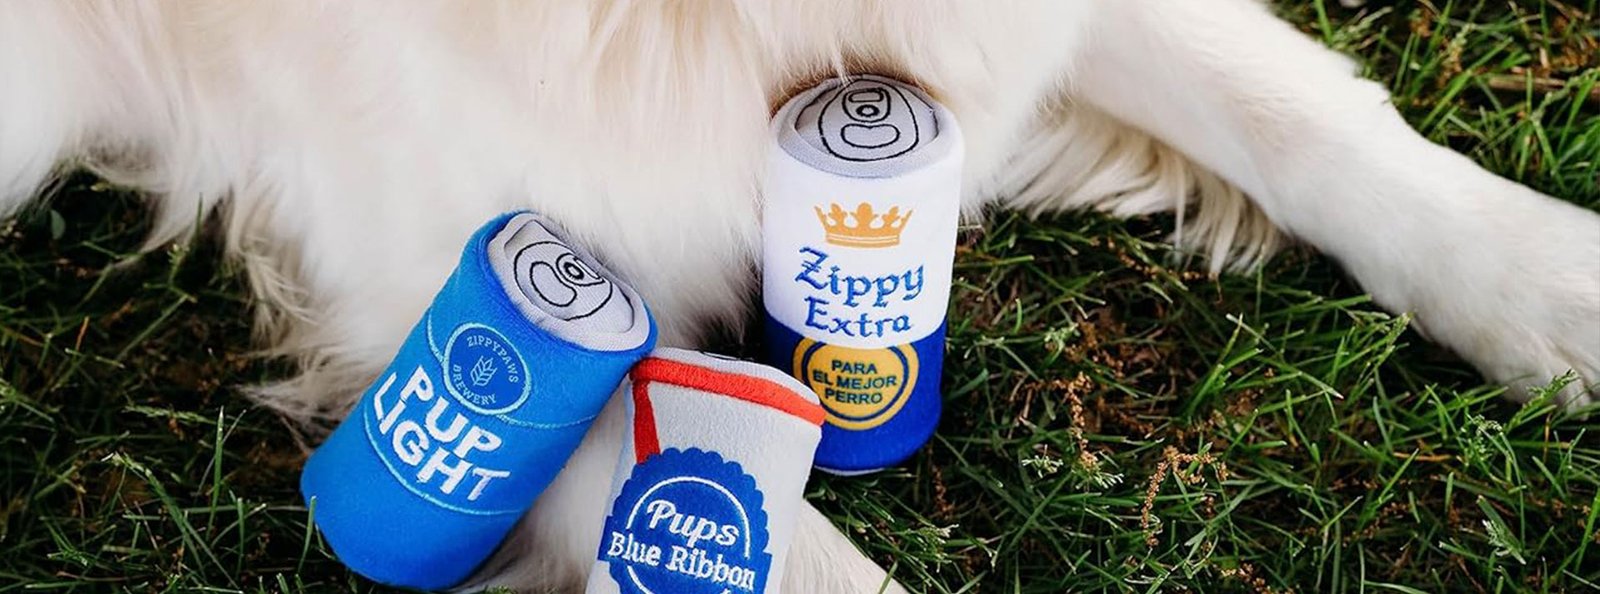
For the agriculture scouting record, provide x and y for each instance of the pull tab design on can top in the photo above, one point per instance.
(868, 119)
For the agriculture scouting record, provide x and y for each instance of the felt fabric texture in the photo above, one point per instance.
(710, 477)
(583, 306)
(481, 407)
(862, 198)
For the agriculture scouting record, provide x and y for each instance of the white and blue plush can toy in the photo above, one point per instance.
(862, 199)
(481, 407)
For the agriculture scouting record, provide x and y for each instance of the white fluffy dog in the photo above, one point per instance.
(349, 147)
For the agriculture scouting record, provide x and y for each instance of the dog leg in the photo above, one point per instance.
(1078, 157)
(1505, 276)
(821, 559)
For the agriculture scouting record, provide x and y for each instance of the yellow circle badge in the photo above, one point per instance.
(860, 388)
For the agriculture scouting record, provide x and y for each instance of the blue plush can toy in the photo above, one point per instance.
(859, 226)
(485, 401)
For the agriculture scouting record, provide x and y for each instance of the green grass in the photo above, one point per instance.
(1112, 423)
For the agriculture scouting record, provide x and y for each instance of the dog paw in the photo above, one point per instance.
(1552, 344)
(1521, 299)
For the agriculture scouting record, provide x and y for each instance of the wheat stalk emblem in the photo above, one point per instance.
(483, 371)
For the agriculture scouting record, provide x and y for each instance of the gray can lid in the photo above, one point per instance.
(865, 126)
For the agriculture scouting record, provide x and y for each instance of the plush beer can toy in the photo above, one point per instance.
(861, 202)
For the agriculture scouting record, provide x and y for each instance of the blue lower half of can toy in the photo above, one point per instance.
(883, 403)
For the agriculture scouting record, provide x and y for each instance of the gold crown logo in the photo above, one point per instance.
(863, 228)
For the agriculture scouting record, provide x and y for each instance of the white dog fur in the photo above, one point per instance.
(349, 148)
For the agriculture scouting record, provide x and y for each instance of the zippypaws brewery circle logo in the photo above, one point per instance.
(483, 371)
(860, 388)
(687, 521)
